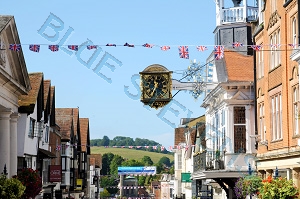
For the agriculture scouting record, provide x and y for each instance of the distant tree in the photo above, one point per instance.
(132, 163)
(106, 160)
(147, 161)
(172, 171)
(115, 163)
(165, 161)
(105, 141)
(159, 167)
(108, 182)
(141, 180)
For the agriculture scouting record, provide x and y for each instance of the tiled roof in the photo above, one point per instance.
(84, 132)
(92, 161)
(52, 96)
(180, 135)
(239, 67)
(47, 84)
(75, 119)
(98, 159)
(30, 99)
(64, 120)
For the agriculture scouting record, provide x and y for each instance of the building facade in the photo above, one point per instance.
(15, 82)
(277, 90)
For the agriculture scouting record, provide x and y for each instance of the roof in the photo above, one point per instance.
(29, 100)
(84, 132)
(98, 159)
(47, 84)
(180, 135)
(52, 96)
(239, 67)
(46, 154)
(66, 118)
(65, 121)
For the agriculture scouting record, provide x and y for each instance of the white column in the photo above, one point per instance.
(249, 140)
(230, 130)
(5, 140)
(13, 144)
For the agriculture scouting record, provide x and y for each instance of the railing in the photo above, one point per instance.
(208, 160)
(239, 14)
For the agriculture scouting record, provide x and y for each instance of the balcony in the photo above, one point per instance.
(237, 14)
(208, 160)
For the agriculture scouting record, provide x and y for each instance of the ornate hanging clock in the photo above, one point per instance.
(156, 86)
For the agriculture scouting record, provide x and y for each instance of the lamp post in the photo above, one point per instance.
(250, 173)
(4, 171)
(276, 173)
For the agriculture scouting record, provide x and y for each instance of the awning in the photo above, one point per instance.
(44, 154)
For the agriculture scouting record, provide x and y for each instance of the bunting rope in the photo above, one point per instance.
(162, 148)
(183, 49)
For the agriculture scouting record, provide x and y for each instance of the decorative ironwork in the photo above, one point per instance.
(196, 73)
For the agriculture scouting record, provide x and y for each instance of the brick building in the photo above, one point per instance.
(277, 90)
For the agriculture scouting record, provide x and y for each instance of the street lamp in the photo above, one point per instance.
(276, 173)
(249, 169)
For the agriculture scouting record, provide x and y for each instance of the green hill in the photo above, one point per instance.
(131, 153)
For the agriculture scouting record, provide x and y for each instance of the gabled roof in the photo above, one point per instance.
(239, 67)
(47, 84)
(16, 74)
(65, 121)
(98, 159)
(84, 133)
(27, 102)
(52, 96)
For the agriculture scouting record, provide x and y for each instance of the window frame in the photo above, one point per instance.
(276, 116)
(242, 125)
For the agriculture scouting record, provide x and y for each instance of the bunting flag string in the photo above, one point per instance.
(162, 148)
(183, 49)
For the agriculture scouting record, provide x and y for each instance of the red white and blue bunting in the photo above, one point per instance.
(183, 50)
(162, 148)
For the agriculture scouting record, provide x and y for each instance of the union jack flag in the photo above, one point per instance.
(34, 48)
(89, 47)
(154, 147)
(111, 45)
(237, 44)
(148, 45)
(293, 45)
(146, 147)
(129, 45)
(53, 48)
(130, 147)
(178, 147)
(183, 52)
(58, 147)
(256, 47)
(219, 52)
(162, 148)
(275, 46)
(73, 47)
(170, 148)
(201, 48)
(15, 47)
(165, 48)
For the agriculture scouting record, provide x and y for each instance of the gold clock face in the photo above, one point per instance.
(156, 86)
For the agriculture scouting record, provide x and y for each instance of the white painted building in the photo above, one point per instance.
(15, 82)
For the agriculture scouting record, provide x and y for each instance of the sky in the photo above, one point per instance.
(104, 83)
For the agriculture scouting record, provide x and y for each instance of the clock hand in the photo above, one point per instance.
(154, 89)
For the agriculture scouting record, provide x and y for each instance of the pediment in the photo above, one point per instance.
(12, 64)
(240, 96)
(274, 18)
